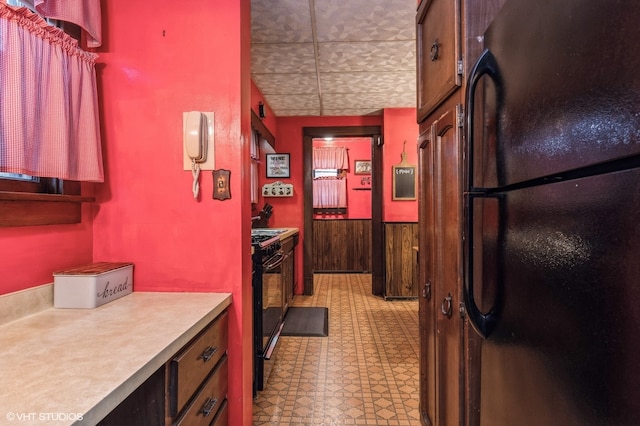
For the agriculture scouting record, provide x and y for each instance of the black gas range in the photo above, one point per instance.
(268, 302)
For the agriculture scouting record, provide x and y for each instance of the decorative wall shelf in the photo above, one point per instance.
(277, 189)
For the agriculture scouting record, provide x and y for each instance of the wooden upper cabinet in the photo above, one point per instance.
(439, 56)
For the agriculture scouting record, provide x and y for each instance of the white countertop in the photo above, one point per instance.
(64, 363)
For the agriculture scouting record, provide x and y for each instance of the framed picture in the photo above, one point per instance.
(362, 167)
(278, 166)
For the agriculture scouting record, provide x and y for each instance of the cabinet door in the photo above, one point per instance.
(440, 259)
(448, 270)
(438, 53)
(426, 263)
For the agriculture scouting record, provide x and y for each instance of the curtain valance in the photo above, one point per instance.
(84, 13)
(330, 158)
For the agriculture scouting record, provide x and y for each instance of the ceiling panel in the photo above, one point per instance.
(365, 20)
(362, 52)
(369, 83)
(282, 84)
(280, 21)
(367, 56)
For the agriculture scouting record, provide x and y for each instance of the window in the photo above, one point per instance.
(30, 200)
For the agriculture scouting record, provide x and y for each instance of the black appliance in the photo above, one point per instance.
(268, 302)
(552, 208)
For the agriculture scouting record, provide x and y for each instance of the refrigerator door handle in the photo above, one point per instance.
(485, 65)
(483, 323)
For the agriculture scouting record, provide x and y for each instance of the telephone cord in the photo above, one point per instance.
(195, 171)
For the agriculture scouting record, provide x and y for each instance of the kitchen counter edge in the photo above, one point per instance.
(85, 362)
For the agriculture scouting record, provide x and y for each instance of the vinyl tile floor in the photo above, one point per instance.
(364, 373)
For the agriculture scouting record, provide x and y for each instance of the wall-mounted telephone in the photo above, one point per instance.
(197, 141)
(196, 136)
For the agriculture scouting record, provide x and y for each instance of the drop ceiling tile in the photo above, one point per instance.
(369, 83)
(283, 58)
(367, 56)
(298, 112)
(278, 21)
(374, 101)
(310, 101)
(354, 112)
(368, 20)
(282, 84)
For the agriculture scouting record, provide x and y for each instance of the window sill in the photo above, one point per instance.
(30, 209)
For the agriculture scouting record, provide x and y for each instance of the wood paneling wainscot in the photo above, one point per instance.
(400, 258)
(342, 245)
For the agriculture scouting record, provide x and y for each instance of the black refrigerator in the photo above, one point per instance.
(552, 215)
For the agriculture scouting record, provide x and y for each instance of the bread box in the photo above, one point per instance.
(90, 286)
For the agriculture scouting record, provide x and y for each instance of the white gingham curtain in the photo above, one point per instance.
(330, 158)
(330, 192)
(48, 101)
(84, 13)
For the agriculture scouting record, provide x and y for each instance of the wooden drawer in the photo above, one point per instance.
(206, 404)
(287, 244)
(191, 366)
(222, 418)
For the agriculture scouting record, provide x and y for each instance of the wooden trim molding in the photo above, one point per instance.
(257, 124)
(30, 209)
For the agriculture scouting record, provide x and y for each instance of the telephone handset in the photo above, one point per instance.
(196, 132)
(196, 140)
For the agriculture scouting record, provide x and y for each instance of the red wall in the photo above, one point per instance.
(399, 126)
(29, 255)
(157, 62)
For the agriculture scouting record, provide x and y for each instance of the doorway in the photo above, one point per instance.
(377, 252)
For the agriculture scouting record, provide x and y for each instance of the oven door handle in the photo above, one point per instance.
(272, 344)
(273, 262)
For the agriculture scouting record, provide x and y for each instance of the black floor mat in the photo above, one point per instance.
(306, 321)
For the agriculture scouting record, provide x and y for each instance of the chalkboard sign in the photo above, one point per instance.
(404, 182)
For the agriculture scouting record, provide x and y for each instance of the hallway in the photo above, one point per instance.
(364, 373)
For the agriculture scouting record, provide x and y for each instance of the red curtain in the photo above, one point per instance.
(48, 101)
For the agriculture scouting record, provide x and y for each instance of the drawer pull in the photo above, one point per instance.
(208, 406)
(208, 353)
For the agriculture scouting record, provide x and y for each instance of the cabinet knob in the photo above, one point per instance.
(435, 50)
(426, 290)
(446, 306)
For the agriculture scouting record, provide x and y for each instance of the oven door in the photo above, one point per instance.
(272, 303)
